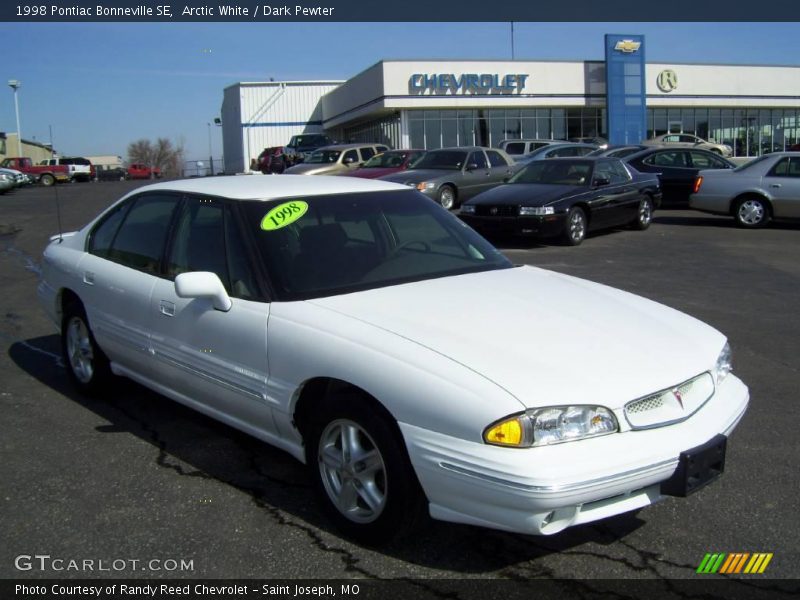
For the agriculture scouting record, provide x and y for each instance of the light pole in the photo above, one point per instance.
(210, 154)
(14, 85)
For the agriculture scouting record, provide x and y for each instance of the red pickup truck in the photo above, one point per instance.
(44, 174)
(140, 171)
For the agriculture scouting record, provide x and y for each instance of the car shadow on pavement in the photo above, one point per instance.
(721, 221)
(193, 445)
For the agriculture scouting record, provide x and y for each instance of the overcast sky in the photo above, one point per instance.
(101, 86)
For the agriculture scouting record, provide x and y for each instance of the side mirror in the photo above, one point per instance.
(203, 284)
(472, 166)
(600, 181)
(349, 161)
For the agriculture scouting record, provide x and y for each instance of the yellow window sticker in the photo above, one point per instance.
(283, 215)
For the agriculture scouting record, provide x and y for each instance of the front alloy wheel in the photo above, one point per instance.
(352, 471)
(361, 469)
(576, 226)
(447, 197)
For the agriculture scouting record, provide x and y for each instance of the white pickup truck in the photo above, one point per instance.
(80, 169)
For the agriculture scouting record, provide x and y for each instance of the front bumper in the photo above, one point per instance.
(547, 489)
(546, 226)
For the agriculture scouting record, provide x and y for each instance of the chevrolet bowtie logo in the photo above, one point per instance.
(627, 46)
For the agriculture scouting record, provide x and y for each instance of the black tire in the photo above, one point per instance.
(752, 212)
(644, 214)
(47, 180)
(375, 496)
(447, 197)
(575, 226)
(87, 366)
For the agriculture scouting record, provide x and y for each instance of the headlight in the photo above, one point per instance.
(538, 211)
(724, 363)
(468, 209)
(551, 425)
(425, 185)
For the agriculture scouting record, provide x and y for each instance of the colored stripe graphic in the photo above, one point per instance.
(711, 563)
(734, 563)
(759, 562)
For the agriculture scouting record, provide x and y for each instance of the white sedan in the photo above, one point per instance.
(372, 335)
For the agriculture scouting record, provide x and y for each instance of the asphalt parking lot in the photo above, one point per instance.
(135, 476)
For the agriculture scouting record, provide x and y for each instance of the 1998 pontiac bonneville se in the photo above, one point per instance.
(371, 334)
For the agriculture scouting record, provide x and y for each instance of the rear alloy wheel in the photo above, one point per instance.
(751, 212)
(362, 472)
(47, 179)
(447, 197)
(575, 227)
(87, 366)
(644, 215)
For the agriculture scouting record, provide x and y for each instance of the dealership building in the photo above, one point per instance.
(440, 103)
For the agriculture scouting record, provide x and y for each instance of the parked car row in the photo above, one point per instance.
(616, 186)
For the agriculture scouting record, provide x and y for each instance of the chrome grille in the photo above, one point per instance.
(670, 405)
(496, 211)
(645, 404)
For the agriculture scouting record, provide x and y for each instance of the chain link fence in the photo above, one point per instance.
(203, 167)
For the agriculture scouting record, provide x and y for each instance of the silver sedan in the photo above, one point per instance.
(687, 140)
(763, 189)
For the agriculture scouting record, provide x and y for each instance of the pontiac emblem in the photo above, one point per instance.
(627, 46)
(676, 392)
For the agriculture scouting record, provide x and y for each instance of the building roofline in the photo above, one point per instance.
(279, 83)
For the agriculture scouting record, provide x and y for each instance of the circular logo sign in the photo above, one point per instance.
(667, 80)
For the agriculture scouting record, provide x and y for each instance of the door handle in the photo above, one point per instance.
(167, 308)
(774, 185)
(88, 278)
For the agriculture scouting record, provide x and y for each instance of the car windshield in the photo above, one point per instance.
(324, 156)
(337, 244)
(385, 160)
(555, 172)
(442, 159)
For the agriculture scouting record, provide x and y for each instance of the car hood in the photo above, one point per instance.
(418, 175)
(531, 194)
(544, 337)
(374, 172)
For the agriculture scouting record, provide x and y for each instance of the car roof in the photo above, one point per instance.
(267, 187)
(348, 146)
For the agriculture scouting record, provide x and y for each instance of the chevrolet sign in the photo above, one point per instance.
(468, 82)
(627, 46)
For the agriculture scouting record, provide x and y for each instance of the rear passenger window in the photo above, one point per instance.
(495, 159)
(103, 235)
(515, 148)
(139, 243)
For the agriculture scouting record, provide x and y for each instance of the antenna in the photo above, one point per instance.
(55, 190)
(512, 40)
